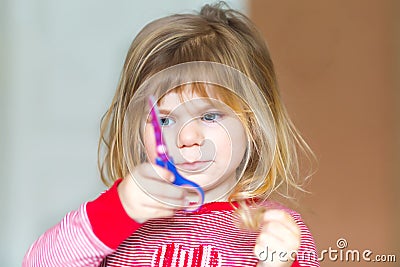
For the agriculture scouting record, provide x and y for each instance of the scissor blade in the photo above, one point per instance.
(155, 120)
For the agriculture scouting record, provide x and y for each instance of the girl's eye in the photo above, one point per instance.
(166, 121)
(211, 117)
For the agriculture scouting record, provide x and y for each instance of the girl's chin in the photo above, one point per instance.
(204, 181)
(208, 183)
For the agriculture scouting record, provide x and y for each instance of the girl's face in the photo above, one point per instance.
(205, 139)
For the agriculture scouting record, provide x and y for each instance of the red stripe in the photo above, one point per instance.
(178, 256)
(186, 260)
(168, 255)
(195, 258)
(213, 258)
(199, 257)
(158, 257)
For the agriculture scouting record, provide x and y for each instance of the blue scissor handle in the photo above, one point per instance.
(180, 180)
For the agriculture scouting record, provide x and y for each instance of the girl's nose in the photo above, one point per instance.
(190, 134)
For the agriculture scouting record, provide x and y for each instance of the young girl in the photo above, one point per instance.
(227, 131)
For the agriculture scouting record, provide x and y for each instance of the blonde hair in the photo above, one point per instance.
(221, 35)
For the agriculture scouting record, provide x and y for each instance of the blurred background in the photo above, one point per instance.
(338, 68)
(337, 64)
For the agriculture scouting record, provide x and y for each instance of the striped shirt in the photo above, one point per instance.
(100, 233)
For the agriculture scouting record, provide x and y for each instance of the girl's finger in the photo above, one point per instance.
(159, 188)
(165, 202)
(282, 217)
(154, 171)
(278, 230)
(158, 211)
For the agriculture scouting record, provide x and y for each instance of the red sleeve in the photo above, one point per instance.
(110, 223)
(296, 264)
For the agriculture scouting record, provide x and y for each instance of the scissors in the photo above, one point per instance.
(164, 159)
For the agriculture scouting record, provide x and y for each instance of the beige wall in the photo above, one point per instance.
(336, 63)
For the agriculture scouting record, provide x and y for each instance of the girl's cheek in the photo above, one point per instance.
(149, 143)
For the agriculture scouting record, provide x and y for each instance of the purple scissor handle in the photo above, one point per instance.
(164, 159)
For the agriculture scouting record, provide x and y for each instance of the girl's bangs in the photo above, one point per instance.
(210, 91)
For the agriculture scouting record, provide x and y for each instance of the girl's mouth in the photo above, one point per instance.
(195, 166)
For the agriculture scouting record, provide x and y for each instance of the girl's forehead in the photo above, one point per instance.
(190, 94)
(177, 98)
(199, 97)
(189, 102)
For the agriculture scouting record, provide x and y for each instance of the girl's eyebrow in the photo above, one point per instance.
(198, 108)
(164, 111)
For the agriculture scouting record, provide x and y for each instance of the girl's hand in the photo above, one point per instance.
(278, 241)
(150, 193)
